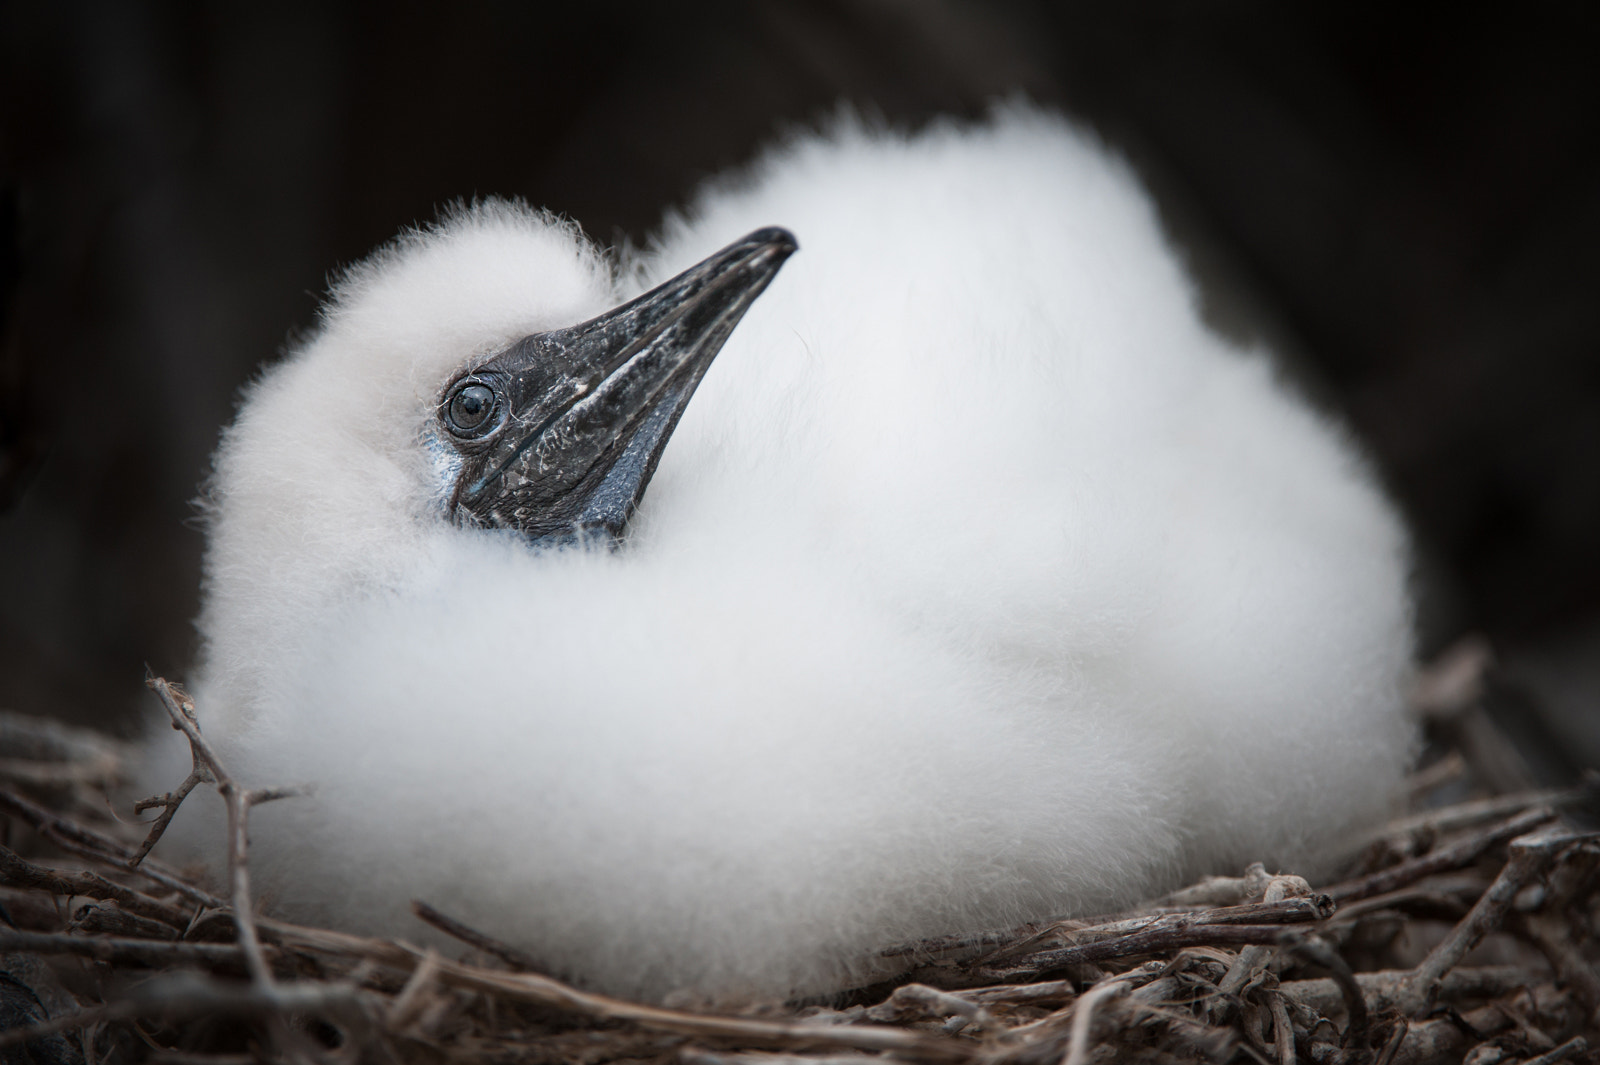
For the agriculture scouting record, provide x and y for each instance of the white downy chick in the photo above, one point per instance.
(979, 582)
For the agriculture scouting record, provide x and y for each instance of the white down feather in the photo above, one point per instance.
(980, 582)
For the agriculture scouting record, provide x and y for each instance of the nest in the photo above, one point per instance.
(1459, 932)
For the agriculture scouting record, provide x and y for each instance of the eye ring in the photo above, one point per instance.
(472, 410)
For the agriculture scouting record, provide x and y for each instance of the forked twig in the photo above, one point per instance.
(239, 801)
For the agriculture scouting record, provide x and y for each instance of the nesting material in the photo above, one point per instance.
(1462, 931)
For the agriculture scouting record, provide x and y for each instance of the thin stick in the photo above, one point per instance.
(17, 872)
(1083, 1017)
(181, 709)
(71, 836)
(1383, 989)
(1570, 1049)
(1443, 860)
(1165, 934)
(1256, 955)
(1017, 940)
(119, 948)
(542, 990)
(1282, 1031)
(187, 997)
(169, 803)
(1530, 857)
(517, 959)
(1320, 953)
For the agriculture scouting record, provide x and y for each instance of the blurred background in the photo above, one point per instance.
(1407, 205)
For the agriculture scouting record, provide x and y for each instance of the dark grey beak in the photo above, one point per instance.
(561, 432)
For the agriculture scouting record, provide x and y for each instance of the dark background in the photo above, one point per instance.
(1407, 202)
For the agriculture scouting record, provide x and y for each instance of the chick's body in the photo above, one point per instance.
(979, 582)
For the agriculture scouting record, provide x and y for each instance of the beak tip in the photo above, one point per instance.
(777, 238)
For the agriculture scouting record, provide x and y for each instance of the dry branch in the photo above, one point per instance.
(15, 872)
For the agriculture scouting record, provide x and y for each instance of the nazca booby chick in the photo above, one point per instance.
(979, 582)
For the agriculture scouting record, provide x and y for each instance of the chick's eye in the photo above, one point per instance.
(469, 408)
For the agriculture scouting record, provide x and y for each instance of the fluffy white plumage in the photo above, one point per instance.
(980, 582)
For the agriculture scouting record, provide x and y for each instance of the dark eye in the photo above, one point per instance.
(469, 409)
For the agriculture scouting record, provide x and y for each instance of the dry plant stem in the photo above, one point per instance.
(1458, 892)
(545, 991)
(1444, 1039)
(1167, 933)
(1566, 959)
(1018, 940)
(920, 1000)
(1083, 1016)
(706, 1057)
(1383, 989)
(1396, 1040)
(1443, 860)
(1447, 770)
(408, 1004)
(76, 839)
(120, 949)
(180, 999)
(1314, 950)
(1530, 857)
(181, 709)
(1478, 811)
(15, 872)
(1274, 911)
(519, 960)
(1282, 1030)
(1255, 956)
(1453, 681)
(169, 803)
(1570, 1049)
(1224, 890)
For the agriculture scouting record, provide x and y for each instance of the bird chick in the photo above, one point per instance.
(978, 582)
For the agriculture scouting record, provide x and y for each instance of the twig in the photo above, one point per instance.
(1282, 1030)
(1447, 770)
(1083, 1016)
(185, 996)
(1318, 952)
(1478, 811)
(1565, 958)
(1570, 1049)
(16, 872)
(1255, 956)
(1225, 890)
(911, 1000)
(1165, 934)
(1397, 1039)
(1004, 944)
(517, 959)
(169, 803)
(1274, 911)
(1530, 857)
(540, 990)
(1383, 989)
(119, 948)
(73, 837)
(406, 1005)
(239, 801)
(1444, 860)
(1453, 681)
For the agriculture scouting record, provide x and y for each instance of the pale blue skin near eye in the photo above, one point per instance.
(446, 463)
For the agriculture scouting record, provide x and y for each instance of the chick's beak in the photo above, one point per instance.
(573, 421)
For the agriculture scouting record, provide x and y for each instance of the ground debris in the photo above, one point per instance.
(1403, 961)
